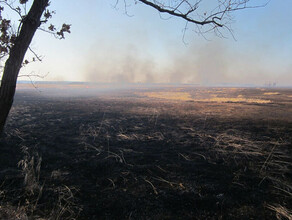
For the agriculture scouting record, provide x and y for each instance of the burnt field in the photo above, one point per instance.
(149, 153)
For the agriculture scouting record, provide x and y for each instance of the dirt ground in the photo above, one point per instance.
(220, 153)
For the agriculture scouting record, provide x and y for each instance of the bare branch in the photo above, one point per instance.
(178, 14)
(32, 74)
(184, 33)
(38, 57)
(203, 13)
(12, 8)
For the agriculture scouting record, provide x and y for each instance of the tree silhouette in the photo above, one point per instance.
(14, 45)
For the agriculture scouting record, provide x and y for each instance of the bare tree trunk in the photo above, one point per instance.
(13, 64)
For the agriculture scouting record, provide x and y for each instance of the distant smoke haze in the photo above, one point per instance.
(119, 64)
(211, 63)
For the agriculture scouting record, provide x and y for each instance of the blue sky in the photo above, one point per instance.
(108, 46)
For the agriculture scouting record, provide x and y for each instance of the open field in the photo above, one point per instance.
(172, 152)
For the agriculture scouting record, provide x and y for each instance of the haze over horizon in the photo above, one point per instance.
(108, 46)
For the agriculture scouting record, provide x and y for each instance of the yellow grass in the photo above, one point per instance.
(185, 96)
(238, 99)
(271, 93)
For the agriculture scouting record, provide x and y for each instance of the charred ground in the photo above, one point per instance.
(126, 155)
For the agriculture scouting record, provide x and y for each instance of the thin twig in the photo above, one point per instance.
(153, 187)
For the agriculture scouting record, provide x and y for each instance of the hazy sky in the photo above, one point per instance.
(108, 46)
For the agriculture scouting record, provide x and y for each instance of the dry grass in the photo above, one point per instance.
(270, 163)
(237, 99)
(272, 93)
(31, 168)
(8, 212)
(65, 207)
(185, 96)
(281, 212)
(28, 197)
(182, 96)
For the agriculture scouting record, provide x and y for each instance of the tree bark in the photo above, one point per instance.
(30, 24)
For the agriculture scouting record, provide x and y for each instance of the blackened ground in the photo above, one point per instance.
(151, 159)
